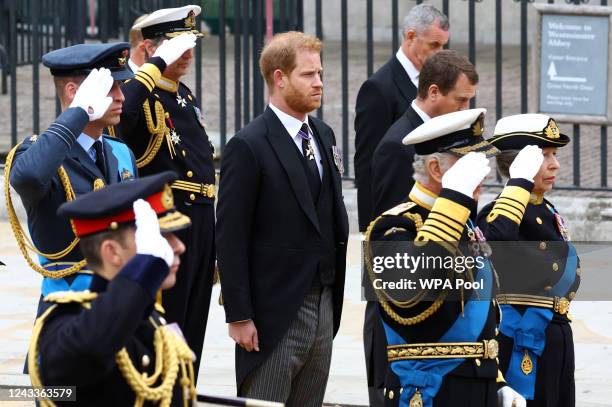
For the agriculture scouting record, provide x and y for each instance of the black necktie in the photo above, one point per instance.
(308, 150)
(314, 179)
(100, 157)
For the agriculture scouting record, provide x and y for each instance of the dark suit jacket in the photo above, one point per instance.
(392, 164)
(269, 243)
(382, 99)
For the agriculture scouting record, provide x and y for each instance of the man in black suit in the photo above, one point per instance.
(282, 230)
(382, 99)
(447, 83)
(386, 95)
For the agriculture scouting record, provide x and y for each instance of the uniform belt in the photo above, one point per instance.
(486, 349)
(560, 305)
(207, 190)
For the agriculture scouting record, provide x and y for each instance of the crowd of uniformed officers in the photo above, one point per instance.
(120, 195)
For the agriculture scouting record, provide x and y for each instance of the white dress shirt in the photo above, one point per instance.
(133, 66)
(424, 116)
(412, 72)
(293, 126)
(87, 143)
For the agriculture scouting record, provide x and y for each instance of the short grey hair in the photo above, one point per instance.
(420, 17)
(503, 160)
(420, 165)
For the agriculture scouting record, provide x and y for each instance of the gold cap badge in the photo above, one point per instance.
(98, 184)
(478, 126)
(190, 20)
(167, 198)
(552, 130)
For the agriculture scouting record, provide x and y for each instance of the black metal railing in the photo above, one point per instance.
(29, 28)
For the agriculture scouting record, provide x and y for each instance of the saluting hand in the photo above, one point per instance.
(171, 50)
(244, 334)
(467, 173)
(92, 95)
(527, 163)
(148, 237)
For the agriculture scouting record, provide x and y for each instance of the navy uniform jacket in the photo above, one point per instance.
(35, 178)
(536, 258)
(530, 254)
(185, 149)
(77, 345)
(381, 100)
(402, 223)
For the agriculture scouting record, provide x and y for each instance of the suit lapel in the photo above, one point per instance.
(402, 80)
(330, 168)
(288, 156)
(78, 154)
(413, 117)
(112, 165)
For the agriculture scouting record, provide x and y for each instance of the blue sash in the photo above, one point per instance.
(81, 281)
(123, 156)
(427, 374)
(529, 330)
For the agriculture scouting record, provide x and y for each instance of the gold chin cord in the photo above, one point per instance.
(23, 241)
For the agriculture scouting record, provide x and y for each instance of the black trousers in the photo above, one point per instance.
(375, 348)
(188, 302)
(555, 386)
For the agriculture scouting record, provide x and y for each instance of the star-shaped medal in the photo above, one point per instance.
(175, 137)
(310, 151)
(181, 101)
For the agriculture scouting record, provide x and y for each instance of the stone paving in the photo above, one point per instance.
(347, 383)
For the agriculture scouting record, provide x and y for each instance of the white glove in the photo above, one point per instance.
(171, 50)
(92, 95)
(507, 397)
(527, 163)
(148, 237)
(467, 173)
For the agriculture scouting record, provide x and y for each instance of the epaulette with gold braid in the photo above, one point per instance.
(399, 209)
(385, 300)
(65, 297)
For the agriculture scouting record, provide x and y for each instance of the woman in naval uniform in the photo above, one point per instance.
(537, 265)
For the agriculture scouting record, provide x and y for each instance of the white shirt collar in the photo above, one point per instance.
(133, 66)
(290, 123)
(424, 116)
(87, 143)
(412, 72)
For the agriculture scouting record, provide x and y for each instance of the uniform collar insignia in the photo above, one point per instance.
(536, 199)
(167, 84)
(422, 196)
